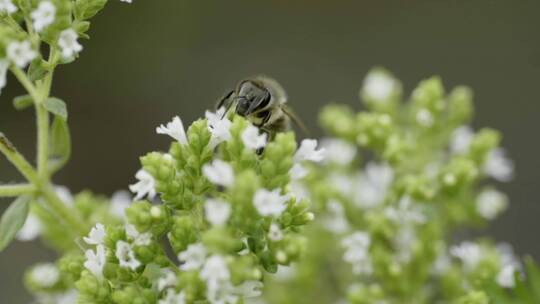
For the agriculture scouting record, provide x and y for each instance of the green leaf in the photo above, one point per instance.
(12, 220)
(22, 102)
(37, 71)
(86, 9)
(57, 107)
(59, 145)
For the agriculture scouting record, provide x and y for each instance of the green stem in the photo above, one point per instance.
(26, 83)
(68, 215)
(42, 119)
(11, 153)
(16, 190)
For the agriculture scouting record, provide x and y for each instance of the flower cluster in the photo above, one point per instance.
(397, 181)
(210, 217)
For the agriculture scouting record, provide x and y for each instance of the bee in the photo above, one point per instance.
(262, 101)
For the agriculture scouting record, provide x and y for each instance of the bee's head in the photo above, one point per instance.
(251, 98)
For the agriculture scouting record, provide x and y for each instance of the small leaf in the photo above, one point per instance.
(12, 220)
(59, 145)
(37, 71)
(86, 9)
(56, 106)
(22, 102)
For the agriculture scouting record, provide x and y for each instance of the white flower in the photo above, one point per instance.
(298, 171)
(20, 53)
(270, 203)
(96, 235)
(308, 151)
(215, 269)
(4, 66)
(505, 277)
(43, 16)
(174, 129)
(469, 253)
(299, 191)
(65, 195)
(425, 118)
(441, 264)
(378, 86)
(173, 298)
(146, 186)
(68, 43)
(509, 266)
(336, 221)
(139, 239)
(338, 151)
(406, 212)
(46, 275)
(285, 273)
(193, 257)
(126, 255)
(167, 279)
(221, 292)
(252, 139)
(275, 234)
(498, 166)
(217, 211)
(219, 126)
(7, 6)
(95, 261)
(357, 252)
(490, 203)
(404, 242)
(461, 139)
(126, 1)
(374, 182)
(120, 201)
(220, 173)
(31, 229)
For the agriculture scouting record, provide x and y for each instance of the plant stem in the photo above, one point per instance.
(68, 215)
(18, 160)
(16, 190)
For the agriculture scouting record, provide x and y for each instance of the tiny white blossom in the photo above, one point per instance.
(193, 257)
(174, 129)
(215, 269)
(378, 86)
(31, 229)
(120, 201)
(285, 273)
(404, 241)
(374, 182)
(505, 277)
(96, 235)
(220, 173)
(21, 53)
(252, 139)
(407, 212)
(299, 191)
(270, 203)
(46, 274)
(146, 186)
(461, 139)
(126, 255)
(167, 279)
(219, 126)
(250, 289)
(308, 151)
(509, 266)
(298, 171)
(425, 118)
(469, 253)
(7, 6)
(221, 292)
(275, 234)
(65, 195)
(67, 41)
(217, 212)
(357, 252)
(139, 239)
(172, 297)
(338, 151)
(44, 15)
(490, 203)
(4, 66)
(95, 261)
(498, 166)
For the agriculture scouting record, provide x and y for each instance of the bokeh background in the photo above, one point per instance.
(154, 59)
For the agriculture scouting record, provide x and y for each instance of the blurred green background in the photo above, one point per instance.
(154, 59)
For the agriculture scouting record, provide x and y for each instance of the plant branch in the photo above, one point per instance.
(11, 153)
(16, 190)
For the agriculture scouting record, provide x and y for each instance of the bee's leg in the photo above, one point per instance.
(225, 101)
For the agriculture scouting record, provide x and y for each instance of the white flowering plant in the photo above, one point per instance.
(228, 211)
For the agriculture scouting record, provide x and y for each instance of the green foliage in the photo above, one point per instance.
(12, 220)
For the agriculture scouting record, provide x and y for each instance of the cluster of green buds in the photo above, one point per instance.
(398, 180)
(209, 219)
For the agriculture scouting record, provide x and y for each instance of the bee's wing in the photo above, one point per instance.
(297, 121)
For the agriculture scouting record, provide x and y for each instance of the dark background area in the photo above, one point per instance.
(151, 60)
